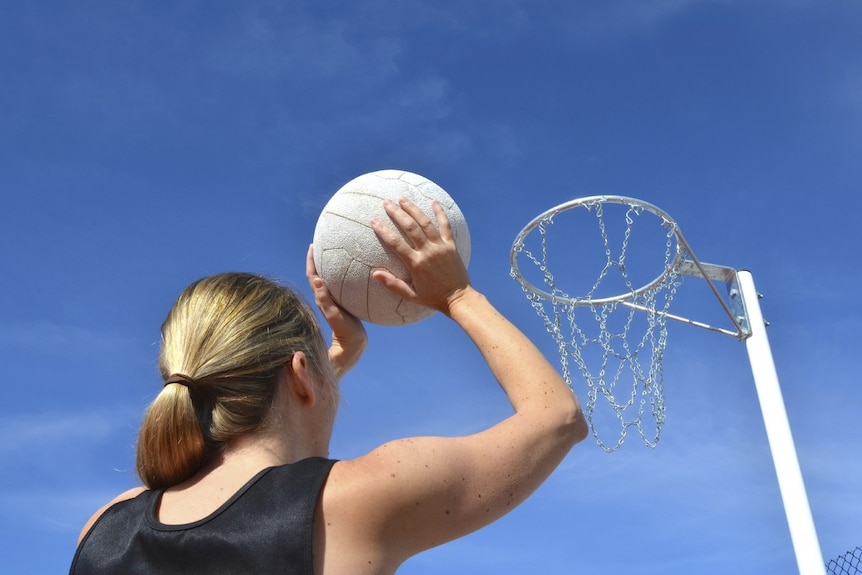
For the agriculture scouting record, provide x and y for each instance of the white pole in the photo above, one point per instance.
(802, 533)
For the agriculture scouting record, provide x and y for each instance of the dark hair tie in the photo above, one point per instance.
(183, 380)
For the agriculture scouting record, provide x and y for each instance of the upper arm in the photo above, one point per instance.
(131, 493)
(413, 494)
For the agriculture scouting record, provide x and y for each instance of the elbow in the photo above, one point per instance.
(576, 428)
(580, 427)
(569, 423)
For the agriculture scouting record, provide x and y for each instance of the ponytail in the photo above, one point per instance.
(171, 444)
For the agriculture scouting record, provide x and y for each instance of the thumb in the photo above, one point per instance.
(394, 284)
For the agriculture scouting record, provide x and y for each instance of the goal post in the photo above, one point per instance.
(593, 318)
(803, 534)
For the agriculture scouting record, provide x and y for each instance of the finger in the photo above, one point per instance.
(443, 225)
(310, 268)
(392, 239)
(322, 297)
(339, 319)
(405, 223)
(421, 218)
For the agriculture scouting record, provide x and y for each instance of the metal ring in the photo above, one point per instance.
(589, 201)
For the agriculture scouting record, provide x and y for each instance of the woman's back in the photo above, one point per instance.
(264, 527)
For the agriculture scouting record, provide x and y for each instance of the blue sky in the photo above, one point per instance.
(147, 144)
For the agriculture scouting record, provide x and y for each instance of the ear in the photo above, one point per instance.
(299, 381)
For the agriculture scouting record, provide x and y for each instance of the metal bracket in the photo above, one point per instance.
(734, 306)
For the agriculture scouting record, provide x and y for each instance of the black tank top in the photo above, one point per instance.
(266, 527)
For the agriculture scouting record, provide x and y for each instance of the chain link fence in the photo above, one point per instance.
(848, 564)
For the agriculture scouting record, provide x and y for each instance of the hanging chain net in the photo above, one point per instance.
(617, 346)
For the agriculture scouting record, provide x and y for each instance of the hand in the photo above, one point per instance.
(349, 339)
(437, 273)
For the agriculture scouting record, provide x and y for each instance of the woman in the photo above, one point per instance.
(233, 451)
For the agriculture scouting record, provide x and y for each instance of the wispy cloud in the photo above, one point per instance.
(41, 431)
(64, 340)
(52, 510)
(362, 62)
(55, 446)
(307, 50)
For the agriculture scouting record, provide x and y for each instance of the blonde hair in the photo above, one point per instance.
(231, 334)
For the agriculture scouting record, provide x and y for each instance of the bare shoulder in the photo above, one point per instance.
(416, 493)
(406, 496)
(359, 504)
(124, 496)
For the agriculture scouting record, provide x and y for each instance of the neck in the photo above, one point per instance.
(288, 435)
(268, 449)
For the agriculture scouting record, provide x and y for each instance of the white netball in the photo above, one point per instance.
(347, 251)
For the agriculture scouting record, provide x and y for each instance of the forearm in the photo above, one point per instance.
(523, 372)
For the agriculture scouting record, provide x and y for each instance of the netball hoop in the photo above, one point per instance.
(619, 262)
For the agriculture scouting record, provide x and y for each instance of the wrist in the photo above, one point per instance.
(463, 302)
(344, 355)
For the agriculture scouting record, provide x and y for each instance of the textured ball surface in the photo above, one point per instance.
(347, 251)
